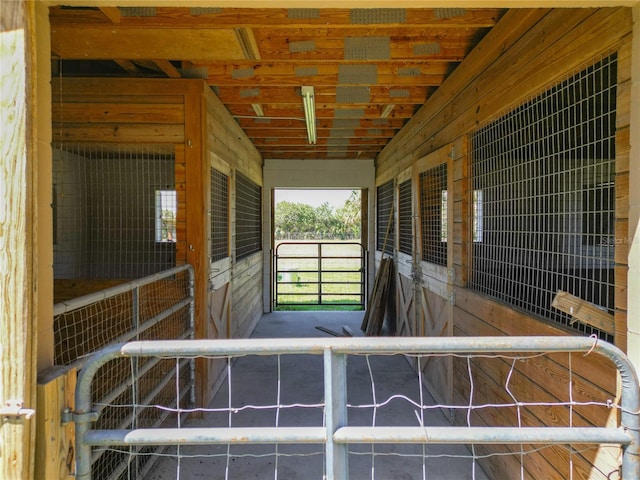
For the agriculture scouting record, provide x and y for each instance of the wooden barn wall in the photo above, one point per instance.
(187, 115)
(235, 288)
(527, 51)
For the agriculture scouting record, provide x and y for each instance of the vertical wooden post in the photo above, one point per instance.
(196, 176)
(16, 240)
(55, 450)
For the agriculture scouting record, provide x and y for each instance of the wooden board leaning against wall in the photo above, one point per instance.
(525, 53)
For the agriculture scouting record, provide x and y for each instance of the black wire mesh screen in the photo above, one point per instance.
(248, 217)
(405, 224)
(544, 195)
(384, 215)
(115, 211)
(433, 214)
(219, 215)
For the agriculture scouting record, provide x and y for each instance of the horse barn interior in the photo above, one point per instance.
(493, 146)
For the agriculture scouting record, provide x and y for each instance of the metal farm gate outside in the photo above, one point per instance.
(319, 274)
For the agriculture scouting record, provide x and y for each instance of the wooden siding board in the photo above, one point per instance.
(623, 148)
(122, 113)
(553, 461)
(491, 318)
(119, 133)
(622, 241)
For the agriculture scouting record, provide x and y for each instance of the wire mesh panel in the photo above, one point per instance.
(385, 230)
(219, 215)
(544, 198)
(433, 214)
(115, 211)
(248, 216)
(405, 218)
(152, 308)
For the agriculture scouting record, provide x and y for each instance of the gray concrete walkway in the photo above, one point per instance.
(256, 381)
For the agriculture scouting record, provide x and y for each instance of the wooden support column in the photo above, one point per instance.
(17, 233)
(55, 447)
(196, 176)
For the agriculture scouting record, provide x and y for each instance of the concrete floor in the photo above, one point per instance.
(254, 381)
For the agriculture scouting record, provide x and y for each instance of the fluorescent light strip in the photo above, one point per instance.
(309, 113)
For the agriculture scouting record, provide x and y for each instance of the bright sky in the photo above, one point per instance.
(315, 198)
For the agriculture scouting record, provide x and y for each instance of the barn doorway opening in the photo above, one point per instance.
(319, 260)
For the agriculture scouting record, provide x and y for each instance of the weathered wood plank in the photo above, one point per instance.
(583, 311)
(18, 229)
(55, 440)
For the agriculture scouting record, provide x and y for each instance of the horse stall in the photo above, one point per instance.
(135, 258)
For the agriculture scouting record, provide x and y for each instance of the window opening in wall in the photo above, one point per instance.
(405, 218)
(384, 215)
(433, 214)
(543, 179)
(166, 213)
(219, 215)
(248, 217)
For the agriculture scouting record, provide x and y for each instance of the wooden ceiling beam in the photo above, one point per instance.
(303, 141)
(112, 13)
(115, 41)
(379, 94)
(167, 67)
(268, 69)
(322, 132)
(264, 17)
(248, 124)
(127, 66)
(319, 155)
(288, 112)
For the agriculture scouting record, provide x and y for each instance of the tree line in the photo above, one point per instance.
(297, 221)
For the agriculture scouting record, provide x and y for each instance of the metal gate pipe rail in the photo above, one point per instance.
(336, 434)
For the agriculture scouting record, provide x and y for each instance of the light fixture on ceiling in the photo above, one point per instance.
(309, 112)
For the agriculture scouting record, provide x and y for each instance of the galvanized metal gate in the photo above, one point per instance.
(336, 434)
(319, 274)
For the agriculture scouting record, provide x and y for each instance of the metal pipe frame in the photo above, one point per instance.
(336, 434)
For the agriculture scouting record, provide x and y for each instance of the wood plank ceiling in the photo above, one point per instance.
(371, 69)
